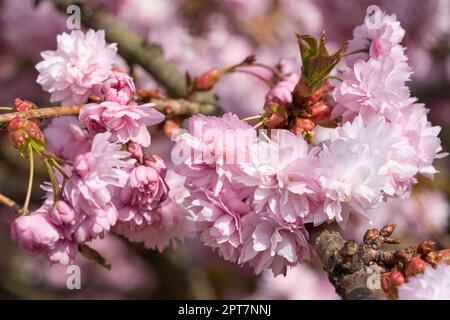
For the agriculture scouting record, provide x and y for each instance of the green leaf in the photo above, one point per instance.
(94, 255)
(317, 63)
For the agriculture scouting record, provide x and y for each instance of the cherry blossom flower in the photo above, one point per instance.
(91, 186)
(169, 224)
(36, 234)
(433, 284)
(119, 87)
(219, 220)
(284, 173)
(144, 192)
(269, 244)
(124, 122)
(380, 34)
(81, 62)
(211, 149)
(352, 178)
(66, 138)
(373, 86)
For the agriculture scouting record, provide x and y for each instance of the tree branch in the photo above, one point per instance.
(345, 264)
(176, 107)
(10, 204)
(131, 47)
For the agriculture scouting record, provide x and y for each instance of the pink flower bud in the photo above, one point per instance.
(320, 111)
(34, 233)
(207, 80)
(415, 266)
(135, 149)
(62, 213)
(119, 87)
(23, 105)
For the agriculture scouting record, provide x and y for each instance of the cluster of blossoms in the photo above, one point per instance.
(108, 182)
(253, 194)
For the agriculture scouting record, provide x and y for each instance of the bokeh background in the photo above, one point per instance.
(197, 35)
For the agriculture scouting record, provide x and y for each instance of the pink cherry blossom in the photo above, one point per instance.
(211, 150)
(219, 220)
(373, 86)
(143, 193)
(81, 62)
(352, 178)
(433, 284)
(66, 138)
(169, 224)
(124, 122)
(385, 140)
(90, 188)
(284, 172)
(284, 87)
(269, 244)
(119, 87)
(36, 234)
(380, 34)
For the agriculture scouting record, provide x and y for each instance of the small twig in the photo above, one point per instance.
(179, 107)
(10, 204)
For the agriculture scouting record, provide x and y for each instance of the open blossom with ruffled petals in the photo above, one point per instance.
(90, 188)
(385, 140)
(352, 178)
(380, 34)
(36, 234)
(81, 62)
(125, 122)
(433, 284)
(269, 244)
(422, 136)
(374, 86)
(211, 150)
(119, 87)
(219, 219)
(143, 193)
(169, 222)
(284, 172)
(66, 138)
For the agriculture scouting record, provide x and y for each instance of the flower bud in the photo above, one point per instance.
(119, 87)
(388, 230)
(415, 266)
(391, 282)
(324, 89)
(370, 235)
(207, 80)
(32, 128)
(426, 247)
(23, 105)
(62, 213)
(302, 124)
(320, 111)
(277, 115)
(135, 149)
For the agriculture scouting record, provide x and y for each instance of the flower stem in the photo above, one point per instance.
(256, 76)
(53, 180)
(354, 52)
(259, 124)
(259, 116)
(6, 108)
(30, 179)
